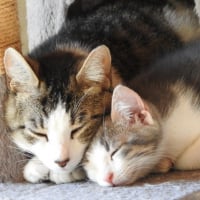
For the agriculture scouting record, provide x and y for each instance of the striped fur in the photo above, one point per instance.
(59, 94)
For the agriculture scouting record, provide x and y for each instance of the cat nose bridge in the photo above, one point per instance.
(63, 157)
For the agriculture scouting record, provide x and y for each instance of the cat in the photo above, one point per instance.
(60, 92)
(179, 14)
(84, 7)
(154, 123)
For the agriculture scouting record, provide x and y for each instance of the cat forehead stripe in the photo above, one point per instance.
(59, 120)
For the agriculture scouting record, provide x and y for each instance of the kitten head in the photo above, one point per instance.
(127, 146)
(56, 103)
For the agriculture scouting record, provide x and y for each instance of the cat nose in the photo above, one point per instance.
(109, 178)
(62, 163)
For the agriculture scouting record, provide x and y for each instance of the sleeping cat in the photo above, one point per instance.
(153, 126)
(59, 94)
(179, 14)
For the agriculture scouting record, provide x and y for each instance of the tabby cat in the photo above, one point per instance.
(154, 126)
(59, 94)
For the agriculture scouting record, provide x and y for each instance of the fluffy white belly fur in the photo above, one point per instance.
(181, 131)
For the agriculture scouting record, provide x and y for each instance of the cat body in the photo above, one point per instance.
(154, 126)
(178, 14)
(84, 7)
(136, 34)
(59, 94)
(178, 104)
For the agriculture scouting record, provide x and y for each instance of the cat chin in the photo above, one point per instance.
(105, 184)
(114, 184)
(100, 182)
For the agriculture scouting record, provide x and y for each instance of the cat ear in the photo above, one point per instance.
(128, 107)
(96, 69)
(20, 76)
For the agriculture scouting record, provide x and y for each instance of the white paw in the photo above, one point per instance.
(35, 171)
(60, 177)
(66, 177)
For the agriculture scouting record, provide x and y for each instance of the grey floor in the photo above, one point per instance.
(160, 187)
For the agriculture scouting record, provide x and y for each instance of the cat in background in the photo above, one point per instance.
(59, 94)
(179, 14)
(153, 126)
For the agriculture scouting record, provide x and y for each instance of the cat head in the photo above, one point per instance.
(56, 103)
(127, 145)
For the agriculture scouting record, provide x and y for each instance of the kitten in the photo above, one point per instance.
(59, 94)
(153, 126)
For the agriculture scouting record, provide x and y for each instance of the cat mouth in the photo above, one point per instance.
(106, 184)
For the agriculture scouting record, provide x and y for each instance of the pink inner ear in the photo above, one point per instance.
(128, 106)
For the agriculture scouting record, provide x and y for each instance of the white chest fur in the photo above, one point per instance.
(182, 133)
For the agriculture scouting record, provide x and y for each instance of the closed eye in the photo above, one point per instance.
(76, 130)
(38, 134)
(114, 152)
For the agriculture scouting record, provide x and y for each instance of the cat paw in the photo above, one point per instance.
(78, 174)
(163, 166)
(65, 177)
(35, 171)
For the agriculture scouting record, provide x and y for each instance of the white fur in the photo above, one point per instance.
(60, 145)
(68, 2)
(181, 131)
(100, 165)
(180, 143)
(36, 172)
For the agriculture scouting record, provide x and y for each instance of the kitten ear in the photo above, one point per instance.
(20, 76)
(96, 69)
(128, 107)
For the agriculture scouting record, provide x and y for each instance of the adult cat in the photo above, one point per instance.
(154, 126)
(60, 93)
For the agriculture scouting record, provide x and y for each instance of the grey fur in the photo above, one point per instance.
(11, 160)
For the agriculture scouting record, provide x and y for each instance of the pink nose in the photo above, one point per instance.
(62, 163)
(109, 178)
